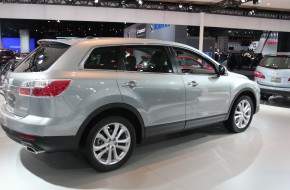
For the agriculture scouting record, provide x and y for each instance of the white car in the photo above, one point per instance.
(273, 76)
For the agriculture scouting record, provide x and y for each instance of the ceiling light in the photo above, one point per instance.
(140, 2)
(180, 6)
(96, 1)
(190, 7)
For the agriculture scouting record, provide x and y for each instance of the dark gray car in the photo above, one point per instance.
(86, 93)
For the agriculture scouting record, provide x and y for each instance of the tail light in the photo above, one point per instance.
(258, 75)
(289, 80)
(43, 88)
(27, 137)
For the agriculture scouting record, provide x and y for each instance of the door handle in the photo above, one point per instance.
(130, 84)
(192, 83)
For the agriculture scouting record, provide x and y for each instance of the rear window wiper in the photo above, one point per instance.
(271, 67)
(32, 63)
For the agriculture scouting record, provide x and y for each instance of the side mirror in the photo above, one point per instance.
(221, 70)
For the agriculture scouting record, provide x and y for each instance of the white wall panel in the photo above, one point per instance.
(28, 11)
(246, 23)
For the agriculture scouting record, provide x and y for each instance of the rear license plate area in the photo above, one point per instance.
(276, 79)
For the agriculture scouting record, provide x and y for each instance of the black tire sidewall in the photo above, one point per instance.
(230, 123)
(90, 140)
(265, 97)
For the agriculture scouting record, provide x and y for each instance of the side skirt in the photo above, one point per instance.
(183, 125)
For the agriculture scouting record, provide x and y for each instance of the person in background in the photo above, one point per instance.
(256, 59)
(239, 61)
(232, 62)
(247, 60)
(130, 60)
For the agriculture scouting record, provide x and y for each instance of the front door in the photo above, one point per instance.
(207, 94)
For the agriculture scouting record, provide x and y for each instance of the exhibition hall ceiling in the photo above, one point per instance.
(278, 5)
(275, 5)
(39, 28)
(190, 1)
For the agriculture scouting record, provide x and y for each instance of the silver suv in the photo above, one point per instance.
(92, 94)
(273, 76)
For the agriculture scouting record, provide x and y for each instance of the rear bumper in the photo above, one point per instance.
(48, 135)
(274, 90)
(47, 144)
(40, 126)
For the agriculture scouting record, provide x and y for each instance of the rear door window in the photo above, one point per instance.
(42, 58)
(275, 62)
(147, 59)
(103, 58)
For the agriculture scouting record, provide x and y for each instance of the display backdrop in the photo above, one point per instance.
(14, 44)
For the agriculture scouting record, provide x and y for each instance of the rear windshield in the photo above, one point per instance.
(276, 62)
(42, 58)
(5, 53)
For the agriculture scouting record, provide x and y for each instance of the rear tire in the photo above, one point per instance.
(110, 143)
(241, 115)
(265, 97)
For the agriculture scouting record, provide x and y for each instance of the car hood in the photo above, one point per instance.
(235, 75)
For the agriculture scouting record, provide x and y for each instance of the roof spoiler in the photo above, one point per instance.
(46, 42)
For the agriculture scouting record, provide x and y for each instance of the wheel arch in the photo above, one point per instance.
(114, 109)
(248, 92)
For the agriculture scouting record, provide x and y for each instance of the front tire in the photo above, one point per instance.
(110, 143)
(241, 115)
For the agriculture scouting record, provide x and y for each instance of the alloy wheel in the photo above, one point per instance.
(112, 143)
(242, 114)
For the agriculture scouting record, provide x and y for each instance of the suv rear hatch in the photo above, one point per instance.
(18, 82)
(276, 70)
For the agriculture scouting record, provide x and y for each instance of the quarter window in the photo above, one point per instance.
(147, 59)
(190, 62)
(103, 58)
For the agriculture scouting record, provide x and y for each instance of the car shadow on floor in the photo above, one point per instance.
(69, 169)
(278, 101)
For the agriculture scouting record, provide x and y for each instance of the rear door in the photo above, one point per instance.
(149, 82)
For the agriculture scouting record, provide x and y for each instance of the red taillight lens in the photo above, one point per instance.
(24, 91)
(54, 88)
(258, 75)
(289, 79)
(27, 137)
(45, 88)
